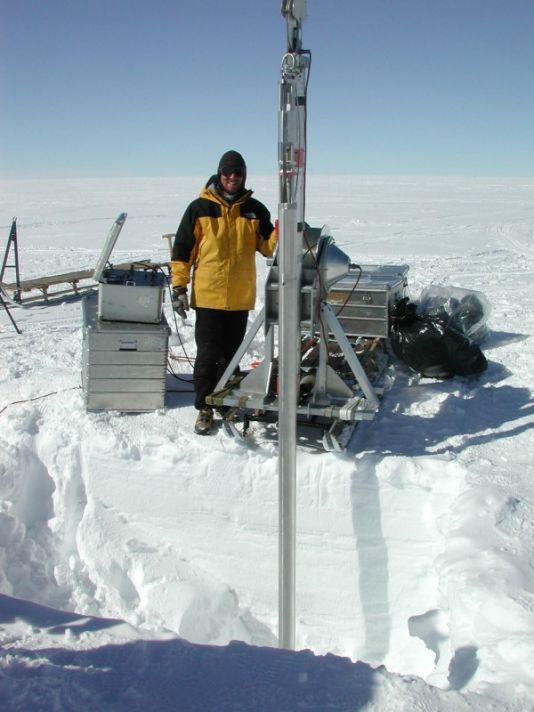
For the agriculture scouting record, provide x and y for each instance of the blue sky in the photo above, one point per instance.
(163, 87)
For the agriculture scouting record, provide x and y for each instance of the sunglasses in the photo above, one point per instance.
(236, 171)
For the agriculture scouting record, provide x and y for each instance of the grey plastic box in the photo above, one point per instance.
(124, 364)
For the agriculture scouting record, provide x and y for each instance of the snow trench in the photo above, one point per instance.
(410, 554)
(132, 517)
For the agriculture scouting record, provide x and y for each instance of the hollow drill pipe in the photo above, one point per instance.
(291, 154)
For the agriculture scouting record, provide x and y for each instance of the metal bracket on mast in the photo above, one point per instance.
(295, 13)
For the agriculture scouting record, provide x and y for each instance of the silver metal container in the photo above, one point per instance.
(131, 295)
(123, 364)
(134, 294)
(362, 302)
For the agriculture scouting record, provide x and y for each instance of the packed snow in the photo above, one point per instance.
(138, 561)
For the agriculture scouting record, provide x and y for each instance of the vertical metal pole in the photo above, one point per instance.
(289, 362)
(291, 155)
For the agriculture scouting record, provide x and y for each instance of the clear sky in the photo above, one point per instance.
(163, 87)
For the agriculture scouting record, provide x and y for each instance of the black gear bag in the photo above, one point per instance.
(430, 346)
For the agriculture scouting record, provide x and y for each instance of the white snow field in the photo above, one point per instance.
(138, 561)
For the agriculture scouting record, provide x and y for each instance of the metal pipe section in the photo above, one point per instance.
(292, 167)
(288, 384)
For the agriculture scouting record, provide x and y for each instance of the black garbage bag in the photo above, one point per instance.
(431, 346)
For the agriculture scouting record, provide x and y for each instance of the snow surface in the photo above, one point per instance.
(134, 554)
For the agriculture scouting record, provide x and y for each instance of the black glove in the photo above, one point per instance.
(180, 302)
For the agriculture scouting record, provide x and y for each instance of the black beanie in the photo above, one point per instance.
(232, 159)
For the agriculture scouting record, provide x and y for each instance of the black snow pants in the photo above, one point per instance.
(218, 335)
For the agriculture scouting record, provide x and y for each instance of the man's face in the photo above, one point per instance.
(232, 182)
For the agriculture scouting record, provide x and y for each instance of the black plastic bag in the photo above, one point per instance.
(465, 310)
(430, 346)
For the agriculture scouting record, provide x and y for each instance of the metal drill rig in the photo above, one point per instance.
(312, 377)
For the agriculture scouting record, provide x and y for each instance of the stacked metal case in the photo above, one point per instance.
(123, 363)
(125, 338)
(363, 300)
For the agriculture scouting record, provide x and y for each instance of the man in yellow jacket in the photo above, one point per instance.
(217, 239)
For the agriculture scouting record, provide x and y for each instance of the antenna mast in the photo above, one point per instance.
(292, 171)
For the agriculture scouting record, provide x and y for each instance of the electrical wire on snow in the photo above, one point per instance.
(45, 395)
(172, 373)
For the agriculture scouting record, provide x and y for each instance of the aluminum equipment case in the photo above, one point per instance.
(123, 363)
(134, 294)
(363, 301)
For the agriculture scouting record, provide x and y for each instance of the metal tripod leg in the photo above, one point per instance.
(258, 321)
(4, 304)
(12, 244)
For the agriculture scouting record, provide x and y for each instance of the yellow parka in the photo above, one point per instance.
(219, 241)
